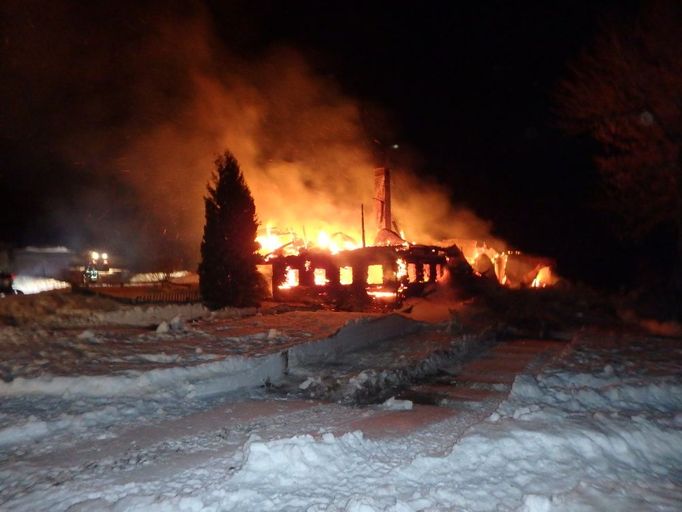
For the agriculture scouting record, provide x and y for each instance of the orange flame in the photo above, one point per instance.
(291, 279)
(544, 278)
(288, 242)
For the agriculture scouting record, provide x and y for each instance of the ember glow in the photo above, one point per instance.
(382, 295)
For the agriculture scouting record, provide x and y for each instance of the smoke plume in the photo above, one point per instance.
(139, 101)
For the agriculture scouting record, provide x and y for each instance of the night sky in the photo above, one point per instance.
(466, 90)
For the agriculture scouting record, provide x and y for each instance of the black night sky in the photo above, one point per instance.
(465, 89)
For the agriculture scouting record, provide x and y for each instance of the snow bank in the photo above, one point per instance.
(540, 451)
(33, 428)
(550, 465)
(29, 284)
(213, 377)
(506, 467)
(205, 379)
(331, 473)
(567, 393)
(565, 440)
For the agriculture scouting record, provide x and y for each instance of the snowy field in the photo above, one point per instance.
(185, 424)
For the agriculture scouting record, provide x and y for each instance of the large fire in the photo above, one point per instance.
(288, 242)
(300, 255)
(510, 268)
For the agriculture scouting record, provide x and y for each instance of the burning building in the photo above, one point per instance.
(380, 273)
(336, 267)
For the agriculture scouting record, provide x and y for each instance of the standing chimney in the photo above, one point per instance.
(382, 198)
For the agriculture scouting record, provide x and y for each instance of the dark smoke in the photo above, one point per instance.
(114, 113)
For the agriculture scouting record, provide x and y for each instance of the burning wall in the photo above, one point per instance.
(380, 273)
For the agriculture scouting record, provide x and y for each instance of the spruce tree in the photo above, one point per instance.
(227, 271)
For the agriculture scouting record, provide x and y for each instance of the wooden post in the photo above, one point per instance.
(362, 219)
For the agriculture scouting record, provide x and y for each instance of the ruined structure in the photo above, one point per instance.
(391, 269)
(379, 273)
(386, 272)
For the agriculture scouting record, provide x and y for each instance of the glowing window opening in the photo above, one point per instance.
(412, 273)
(290, 278)
(426, 268)
(320, 276)
(346, 275)
(375, 274)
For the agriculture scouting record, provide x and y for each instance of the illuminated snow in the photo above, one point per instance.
(598, 428)
(30, 284)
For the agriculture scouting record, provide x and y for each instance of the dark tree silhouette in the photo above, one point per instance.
(227, 271)
(626, 93)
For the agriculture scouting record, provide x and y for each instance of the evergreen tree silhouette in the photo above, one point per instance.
(227, 271)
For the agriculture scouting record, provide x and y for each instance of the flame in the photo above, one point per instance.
(291, 279)
(412, 272)
(544, 278)
(270, 241)
(324, 241)
(402, 268)
(287, 242)
(336, 243)
(510, 268)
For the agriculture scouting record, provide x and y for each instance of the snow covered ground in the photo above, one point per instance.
(30, 284)
(168, 424)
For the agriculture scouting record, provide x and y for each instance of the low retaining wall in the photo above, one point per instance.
(351, 337)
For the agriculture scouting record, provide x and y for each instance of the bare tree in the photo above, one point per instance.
(626, 93)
